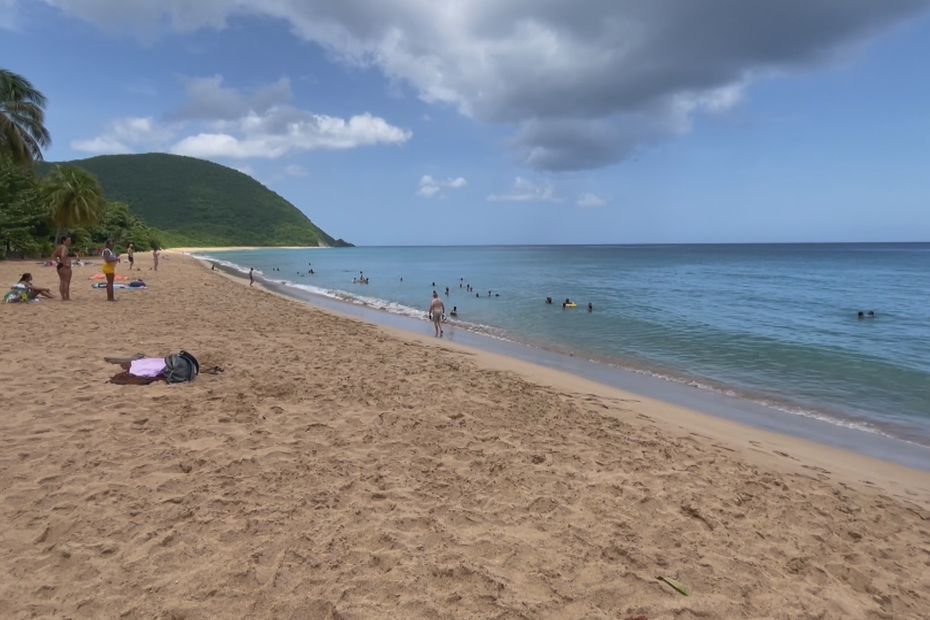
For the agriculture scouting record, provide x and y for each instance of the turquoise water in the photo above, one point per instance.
(776, 324)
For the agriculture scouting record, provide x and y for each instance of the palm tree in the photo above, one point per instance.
(22, 119)
(74, 198)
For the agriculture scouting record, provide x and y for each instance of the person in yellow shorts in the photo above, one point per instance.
(110, 258)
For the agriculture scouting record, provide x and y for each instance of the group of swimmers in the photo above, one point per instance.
(468, 289)
(568, 303)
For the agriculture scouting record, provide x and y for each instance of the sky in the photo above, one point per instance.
(430, 122)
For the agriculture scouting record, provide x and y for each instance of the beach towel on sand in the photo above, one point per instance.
(175, 368)
(147, 367)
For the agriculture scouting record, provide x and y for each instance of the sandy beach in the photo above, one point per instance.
(336, 469)
(237, 248)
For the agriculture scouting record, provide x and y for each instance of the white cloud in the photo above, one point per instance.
(527, 191)
(430, 187)
(591, 200)
(575, 80)
(428, 191)
(295, 170)
(221, 122)
(282, 130)
(101, 145)
(127, 135)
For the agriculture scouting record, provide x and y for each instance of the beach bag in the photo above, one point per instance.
(181, 367)
(18, 294)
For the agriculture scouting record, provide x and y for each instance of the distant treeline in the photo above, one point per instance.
(35, 212)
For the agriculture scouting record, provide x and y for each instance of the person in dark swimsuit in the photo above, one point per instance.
(62, 258)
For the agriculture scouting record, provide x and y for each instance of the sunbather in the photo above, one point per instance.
(34, 291)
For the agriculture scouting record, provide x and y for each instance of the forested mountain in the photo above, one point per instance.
(192, 202)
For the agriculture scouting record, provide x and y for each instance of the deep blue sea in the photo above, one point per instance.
(776, 324)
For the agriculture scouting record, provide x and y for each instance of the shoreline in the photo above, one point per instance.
(818, 428)
(243, 248)
(852, 465)
(336, 468)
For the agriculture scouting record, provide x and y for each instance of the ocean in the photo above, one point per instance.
(777, 325)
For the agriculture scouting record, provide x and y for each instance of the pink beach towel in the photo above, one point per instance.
(147, 367)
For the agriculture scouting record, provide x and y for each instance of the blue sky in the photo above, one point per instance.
(512, 122)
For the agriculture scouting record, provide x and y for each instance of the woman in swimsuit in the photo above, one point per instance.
(110, 258)
(62, 258)
(34, 291)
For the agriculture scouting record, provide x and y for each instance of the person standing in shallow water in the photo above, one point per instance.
(436, 310)
(62, 258)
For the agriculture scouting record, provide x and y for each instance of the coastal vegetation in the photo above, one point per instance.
(35, 212)
(150, 200)
(192, 202)
(73, 197)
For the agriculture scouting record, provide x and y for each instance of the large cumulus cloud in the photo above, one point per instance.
(583, 83)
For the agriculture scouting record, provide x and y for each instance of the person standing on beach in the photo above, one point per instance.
(155, 258)
(129, 254)
(251, 276)
(110, 258)
(436, 310)
(62, 258)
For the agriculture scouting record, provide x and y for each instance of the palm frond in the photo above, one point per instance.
(22, 119)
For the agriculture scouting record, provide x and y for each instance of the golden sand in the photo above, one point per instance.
(340, 470)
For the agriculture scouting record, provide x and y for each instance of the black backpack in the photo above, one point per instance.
(181, 367)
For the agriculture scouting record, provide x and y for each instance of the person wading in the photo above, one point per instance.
(436, 310)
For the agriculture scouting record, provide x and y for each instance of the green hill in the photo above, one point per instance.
(193, 202)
